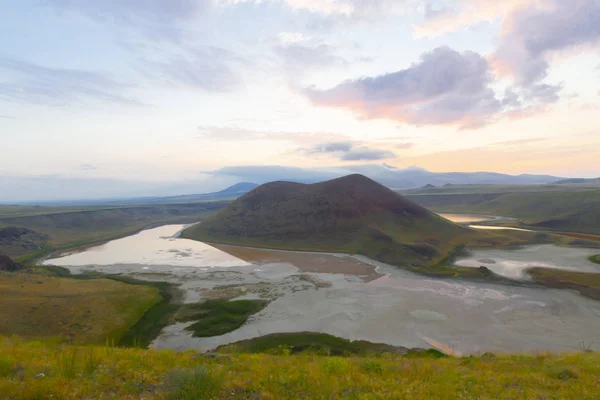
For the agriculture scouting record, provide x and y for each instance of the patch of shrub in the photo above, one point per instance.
(192, 384)
(562, 373)
(5, 367)
(372, 366)
(335, 365)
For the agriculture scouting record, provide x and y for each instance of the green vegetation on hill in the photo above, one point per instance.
(347, 215)
(36, 370)
(585, 283)
(217, 317)
(318, 343)
(555, 207)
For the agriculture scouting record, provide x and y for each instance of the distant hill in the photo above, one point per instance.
(560, 207)
(577, 181)
(353, 214)
(229, 193)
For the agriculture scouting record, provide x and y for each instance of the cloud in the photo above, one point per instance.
(268, 173)
(209, 68)
(458, 14)
(237, 134)
(519, 142)
(154, 17)
(531, 33)
(444, 87)
(404, 146)
(349, 151)
(298, 57)
(37, 84)
(87, 167)
(342, 147)
(7, 117)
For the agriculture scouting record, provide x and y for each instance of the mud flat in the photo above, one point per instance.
(514, 263)
(346, 296)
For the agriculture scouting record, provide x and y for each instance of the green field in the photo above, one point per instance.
(78, 311)
(569, 208)
(36, 370)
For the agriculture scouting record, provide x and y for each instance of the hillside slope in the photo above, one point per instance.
(559, 208)
(32, 230)
(352, 214)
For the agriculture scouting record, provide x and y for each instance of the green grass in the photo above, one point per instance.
(586, 283)
(148, 327)
(319, 344)
(119, 373)
(78, 311)
(152, 321)
(217, 317)
(595, 259)
(192, 384)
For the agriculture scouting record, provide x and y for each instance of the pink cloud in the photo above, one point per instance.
(444, 88)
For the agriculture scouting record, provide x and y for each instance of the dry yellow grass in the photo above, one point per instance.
(78, 311)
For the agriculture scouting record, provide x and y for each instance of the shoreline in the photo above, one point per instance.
(73, 249)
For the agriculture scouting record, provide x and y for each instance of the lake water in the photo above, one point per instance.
(358, 299)
(467, 218)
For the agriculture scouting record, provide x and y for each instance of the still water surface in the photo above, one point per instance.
(389, 306)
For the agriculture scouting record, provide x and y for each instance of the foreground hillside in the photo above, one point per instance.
(347, 215)
(39, 371)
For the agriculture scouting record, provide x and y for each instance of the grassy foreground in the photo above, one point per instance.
(35, 370)
(78, 311)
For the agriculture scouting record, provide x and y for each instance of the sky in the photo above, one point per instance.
(135, 97)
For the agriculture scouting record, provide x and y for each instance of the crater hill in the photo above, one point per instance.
(353, 214)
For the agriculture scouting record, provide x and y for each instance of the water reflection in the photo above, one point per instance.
(158, 246)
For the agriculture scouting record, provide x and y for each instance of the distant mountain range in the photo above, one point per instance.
(576, 181)
(392, 177)
(92, 191)
(232, 192)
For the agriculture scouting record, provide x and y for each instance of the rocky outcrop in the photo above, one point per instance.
(8, 265)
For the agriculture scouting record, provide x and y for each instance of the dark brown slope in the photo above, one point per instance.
(8, 265)
(352, 214)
